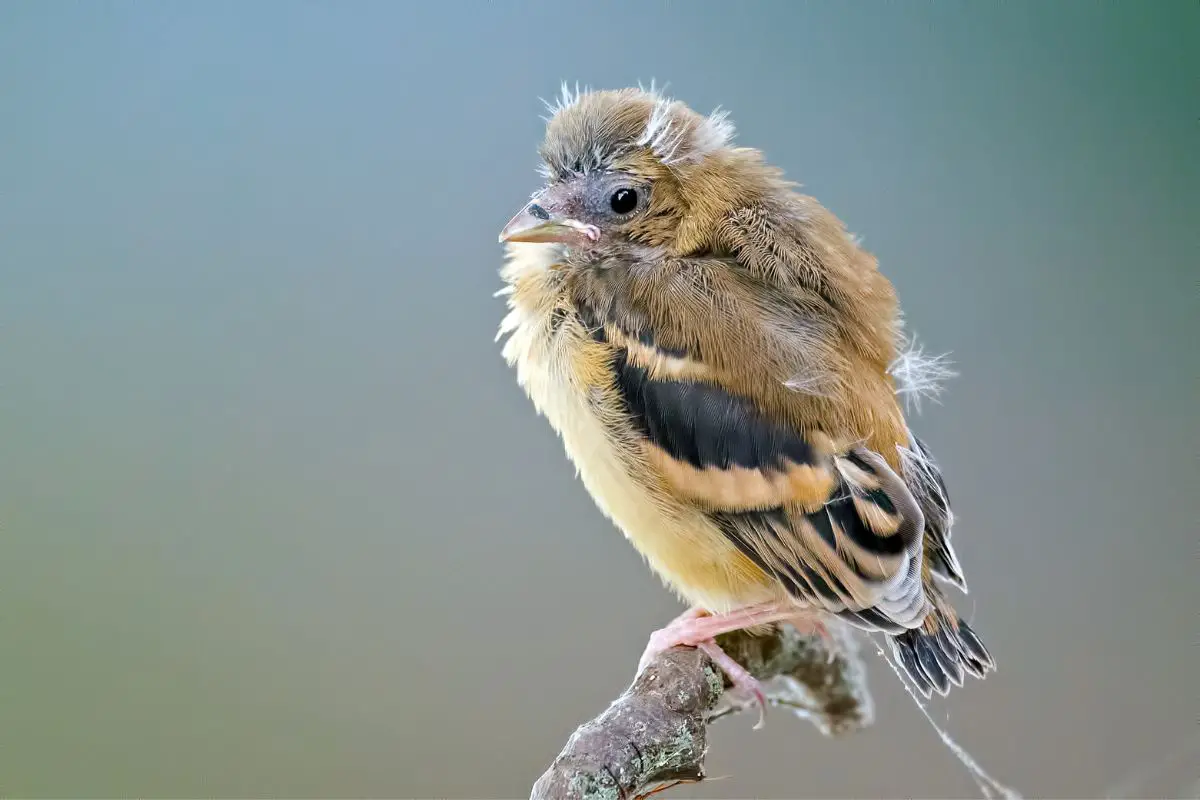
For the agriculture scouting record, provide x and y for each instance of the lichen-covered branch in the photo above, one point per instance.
(655, 734)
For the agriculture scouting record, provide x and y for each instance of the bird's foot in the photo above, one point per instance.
(697, 628)
(741, 680)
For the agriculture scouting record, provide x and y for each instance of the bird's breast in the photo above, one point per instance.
(567, 374)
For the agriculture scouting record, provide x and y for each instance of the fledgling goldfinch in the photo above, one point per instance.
(714, 350)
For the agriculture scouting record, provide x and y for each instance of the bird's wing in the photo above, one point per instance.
(924, 479)
(840, 530)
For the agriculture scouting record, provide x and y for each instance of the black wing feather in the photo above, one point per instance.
(857, 554)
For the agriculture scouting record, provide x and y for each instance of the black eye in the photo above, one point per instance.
(623, 201)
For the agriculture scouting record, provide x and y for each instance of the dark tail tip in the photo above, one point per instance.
(941, 653)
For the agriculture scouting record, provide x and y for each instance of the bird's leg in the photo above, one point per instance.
(697, 628)
(697, 625)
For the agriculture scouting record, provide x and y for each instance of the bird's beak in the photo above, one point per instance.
(534, 224)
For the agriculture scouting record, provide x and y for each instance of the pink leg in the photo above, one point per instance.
(696, 625)
(697, 628)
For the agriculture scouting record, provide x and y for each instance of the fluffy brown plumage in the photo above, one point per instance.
(714, 350)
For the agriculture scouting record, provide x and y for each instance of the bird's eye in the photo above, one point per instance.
(623, 201)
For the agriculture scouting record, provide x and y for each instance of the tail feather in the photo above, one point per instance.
(941, 652)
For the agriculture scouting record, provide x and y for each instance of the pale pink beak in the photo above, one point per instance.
(534, 224)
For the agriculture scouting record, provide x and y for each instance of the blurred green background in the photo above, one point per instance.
(278, 522)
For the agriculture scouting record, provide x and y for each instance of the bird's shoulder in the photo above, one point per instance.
(709, 320)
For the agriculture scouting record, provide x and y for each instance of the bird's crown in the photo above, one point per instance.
(587, 130)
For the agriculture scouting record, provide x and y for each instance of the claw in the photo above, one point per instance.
(738, 676)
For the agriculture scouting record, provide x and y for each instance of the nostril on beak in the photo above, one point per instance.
(538, 211)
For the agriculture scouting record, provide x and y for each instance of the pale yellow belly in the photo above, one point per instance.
(686, 549)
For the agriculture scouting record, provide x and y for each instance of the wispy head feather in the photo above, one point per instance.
(677, 135)
(565, 99)
(587, 129)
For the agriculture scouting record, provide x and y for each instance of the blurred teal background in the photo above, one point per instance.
(277, 520)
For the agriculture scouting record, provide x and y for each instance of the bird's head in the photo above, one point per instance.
(632, 167)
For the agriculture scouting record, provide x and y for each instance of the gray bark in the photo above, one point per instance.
(655, 734)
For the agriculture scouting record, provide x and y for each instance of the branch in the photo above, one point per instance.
(655, 734)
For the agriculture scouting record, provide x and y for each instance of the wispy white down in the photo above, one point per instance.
(653, 88)
(672, 134)
(674, 139)
(808, 383)
(919, 376)
(565, 99)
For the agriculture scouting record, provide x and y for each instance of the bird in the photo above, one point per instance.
(716, 352)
